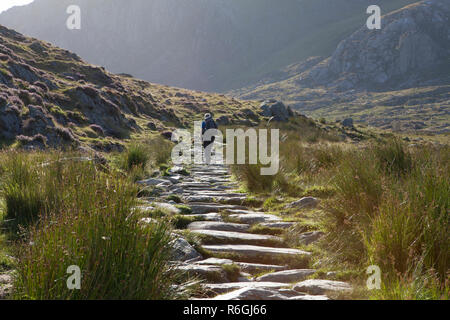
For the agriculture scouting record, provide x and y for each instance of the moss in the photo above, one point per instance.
(184, 209)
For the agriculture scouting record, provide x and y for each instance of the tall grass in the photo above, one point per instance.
(391, 210)
(84, 219)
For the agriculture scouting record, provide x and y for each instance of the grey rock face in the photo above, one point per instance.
(183, 251)
(277, 110)
(410, 41)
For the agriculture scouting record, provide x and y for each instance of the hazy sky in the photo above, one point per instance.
(6, 4)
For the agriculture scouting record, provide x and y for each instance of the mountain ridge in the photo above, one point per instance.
(396, 77)
(198, 44)
(49, 97)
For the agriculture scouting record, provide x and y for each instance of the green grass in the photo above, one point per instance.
(383, 203)
(82, 218)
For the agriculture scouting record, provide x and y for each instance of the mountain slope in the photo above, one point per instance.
(397, 77)
(198, 44)
(50, 97)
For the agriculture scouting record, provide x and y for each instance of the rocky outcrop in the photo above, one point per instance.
(412, 47)
(276, 110)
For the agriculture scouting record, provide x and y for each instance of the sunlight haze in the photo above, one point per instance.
(6, 4)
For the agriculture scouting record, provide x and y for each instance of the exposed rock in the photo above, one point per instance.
(215, 261)
(207, 272)
(310, 237)
(255, 251)
(348, 123)
(281, 225)
(220, 288)
(287, 276)
(166, 207)
(254, 218)
(183, 251)
(318, 287)
(238, 237)
(254, 268)
(277, 110)
(207, 208)
(220, 226)
(213, 216)
(306, 202)
(156, 182)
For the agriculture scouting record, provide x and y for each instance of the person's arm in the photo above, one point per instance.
(203, 127)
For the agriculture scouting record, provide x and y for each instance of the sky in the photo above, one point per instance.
(6, 4)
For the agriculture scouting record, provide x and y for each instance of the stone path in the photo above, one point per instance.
(267, 268)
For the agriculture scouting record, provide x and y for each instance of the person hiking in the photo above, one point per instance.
(208, 141)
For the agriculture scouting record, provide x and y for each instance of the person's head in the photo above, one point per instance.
(208, 116)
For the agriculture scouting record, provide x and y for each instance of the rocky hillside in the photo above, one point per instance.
(50, 97)
(197, 44)
(396, 77)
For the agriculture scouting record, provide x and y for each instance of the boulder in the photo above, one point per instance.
(183, 251)
(347, 123)
(277, 110)
(306, 202)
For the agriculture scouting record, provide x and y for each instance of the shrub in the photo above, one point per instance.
(136, 156)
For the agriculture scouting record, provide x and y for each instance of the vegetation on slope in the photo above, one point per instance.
(383, 202)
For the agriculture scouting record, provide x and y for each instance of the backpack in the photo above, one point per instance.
(209, 124)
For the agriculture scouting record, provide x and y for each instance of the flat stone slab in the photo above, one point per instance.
(214, 261)
(254, 251)
(218, 226)
(204, 271)
(220, 288)
(200, 208)
(248, 238)
(310, 237)
(213, 216)
(319, 287)
(156, 182)
(254, 217)
(281, 225)
(252, 294)
(287, 276)
(167, 207)
(254, 268)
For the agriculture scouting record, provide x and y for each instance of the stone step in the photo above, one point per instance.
(200, 208)
(212, 273)
(255, 268)
(254, 218)
(264, 294)
(251, 251)
(213, 216)
(218, 226)
(220, 288)
(319, 287)
(287, 276)
(281, 225)
(222, 237)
